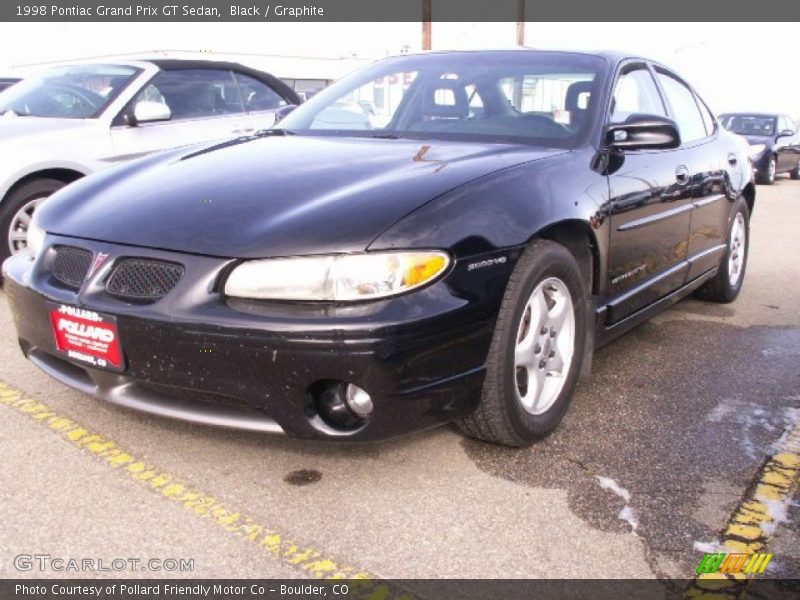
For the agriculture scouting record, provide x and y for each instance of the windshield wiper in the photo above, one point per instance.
(384, 136)
(273, 132)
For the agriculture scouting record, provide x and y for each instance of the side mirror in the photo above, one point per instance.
(643, 132)
(786, 133)
(147, 111)
(283, 112)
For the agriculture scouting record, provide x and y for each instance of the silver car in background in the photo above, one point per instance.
(70, 121)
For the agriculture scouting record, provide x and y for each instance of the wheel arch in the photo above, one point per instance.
(577, 237)
(749, 193)
(61, 174)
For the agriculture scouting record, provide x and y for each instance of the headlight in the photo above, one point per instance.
(756, 149)
(35, 236)
(343, 277)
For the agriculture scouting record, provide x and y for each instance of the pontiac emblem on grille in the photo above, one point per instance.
(99, 259)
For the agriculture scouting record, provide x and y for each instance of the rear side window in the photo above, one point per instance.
(684, 108)
(785, 124)
(195, 93)
(257, 95)
(636, 92)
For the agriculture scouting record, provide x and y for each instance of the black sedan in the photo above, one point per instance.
(774, 143)
(453, 254)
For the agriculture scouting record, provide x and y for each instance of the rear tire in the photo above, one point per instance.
(727, 283)
(536, 351)
(16, 210)
(795, 173)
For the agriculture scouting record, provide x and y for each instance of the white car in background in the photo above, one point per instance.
(70, 121)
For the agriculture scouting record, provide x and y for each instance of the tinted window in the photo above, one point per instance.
(257, 95)
(785, 124)
(544, 98)
(636, 92)
(684, 108)
(749, 124)
(195, 93)
(72, 92)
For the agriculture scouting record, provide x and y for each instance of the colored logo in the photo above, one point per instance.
(721, 562)
(98, 262)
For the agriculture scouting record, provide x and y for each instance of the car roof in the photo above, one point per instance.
(173, 64)
(611, 55)
(750, 113)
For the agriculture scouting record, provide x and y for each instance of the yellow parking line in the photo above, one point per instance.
(749, 528)
(195, 501)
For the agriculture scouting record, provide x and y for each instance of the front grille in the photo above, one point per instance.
(70, 266)
(143, 280)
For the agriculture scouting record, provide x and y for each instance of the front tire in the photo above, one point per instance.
(768, 177)
(727, 283)
(16, 212)
(536, 351)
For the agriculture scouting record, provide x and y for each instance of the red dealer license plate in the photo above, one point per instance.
(87, 337)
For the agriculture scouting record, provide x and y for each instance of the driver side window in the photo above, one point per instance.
(195, 93)
(636, 92)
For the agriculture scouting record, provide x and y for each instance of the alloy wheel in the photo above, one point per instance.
(18, 231)
(545, 344)
(737, 247)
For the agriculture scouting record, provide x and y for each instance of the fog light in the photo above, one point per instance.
(358, 400)
(340, 404)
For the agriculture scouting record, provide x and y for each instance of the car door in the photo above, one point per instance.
(649, 206)
(260, 100)
(713, 160)
(785, 145)
(204, 105)
(794, 145)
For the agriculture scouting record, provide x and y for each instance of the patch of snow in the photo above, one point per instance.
(779, 511)
(722, 410)
(708, 547)
(609, 484)
(627, 513)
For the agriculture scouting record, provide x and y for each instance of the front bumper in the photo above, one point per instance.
(761, 162)
(198, 356)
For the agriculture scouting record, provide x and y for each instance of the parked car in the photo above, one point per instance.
(74, 120)
(446, 263)
(7, 82)
(774, 143)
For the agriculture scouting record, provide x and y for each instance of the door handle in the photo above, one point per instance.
(682, 174)
(242, 131)
(732, 159)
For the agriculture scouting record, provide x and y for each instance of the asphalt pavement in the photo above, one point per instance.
(660, 449)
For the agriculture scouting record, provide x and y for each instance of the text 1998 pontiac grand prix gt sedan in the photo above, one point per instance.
(438, 237)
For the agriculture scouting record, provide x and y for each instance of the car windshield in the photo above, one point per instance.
(749, 124)
(543, 98)
(72, 92)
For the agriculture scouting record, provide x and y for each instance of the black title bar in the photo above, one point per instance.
(399, 10)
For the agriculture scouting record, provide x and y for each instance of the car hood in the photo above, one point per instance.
(15, 129)
(274, 196)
